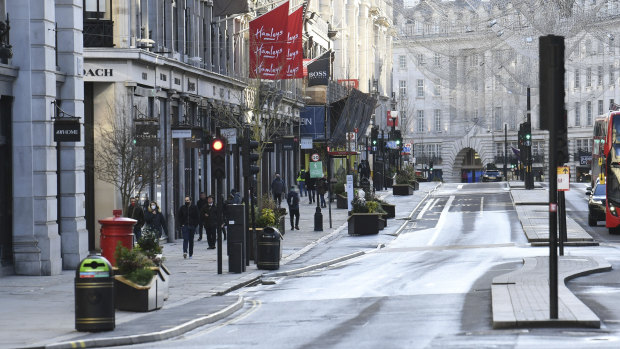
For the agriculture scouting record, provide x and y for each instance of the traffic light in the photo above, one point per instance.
(398, 139)
(218, 158)
(527, 133)
(249, 157)
(430, 166)
(374, 136)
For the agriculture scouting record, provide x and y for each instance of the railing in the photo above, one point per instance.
(98, 33)
(426, 159)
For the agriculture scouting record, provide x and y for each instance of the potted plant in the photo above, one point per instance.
(403, 180)
(149, 245)
(362, 221)
(135, 287)
(376, 207)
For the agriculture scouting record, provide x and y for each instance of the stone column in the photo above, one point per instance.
(36, 241)
(74, 235)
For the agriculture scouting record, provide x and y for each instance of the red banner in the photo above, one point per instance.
(268, 44)
(392, 114)
(294, 50)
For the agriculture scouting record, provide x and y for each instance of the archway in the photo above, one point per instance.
(468, 165)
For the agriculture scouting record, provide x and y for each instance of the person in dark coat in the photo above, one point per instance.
(134, 211)
(200, 204)
(311, 187)
(236, 197)
(209, 217)
(321, 189)
(155, 219)
(189, 217)
(293, 207)
(277, 188)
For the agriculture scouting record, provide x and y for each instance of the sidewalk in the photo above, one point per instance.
(40, 310)
(521, 298)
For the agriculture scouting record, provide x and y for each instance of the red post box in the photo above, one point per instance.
(113, 230)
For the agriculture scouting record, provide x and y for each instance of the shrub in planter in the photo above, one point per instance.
(362, 221)
(136, 288)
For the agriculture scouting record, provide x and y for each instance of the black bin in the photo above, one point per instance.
(235, 214)
(94, 295)
(268, 251)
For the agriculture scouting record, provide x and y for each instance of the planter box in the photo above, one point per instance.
(133, 297)
(363, 223)
(163, 285)
(389, 182)
(402, 189)
(415, 185)
(281, 224)
(382, 223)
(390, 210)
(341, 202)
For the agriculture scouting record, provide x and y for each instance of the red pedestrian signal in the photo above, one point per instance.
(217, 145)
(218, 158)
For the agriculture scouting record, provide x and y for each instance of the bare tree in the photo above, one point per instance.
(119, 161)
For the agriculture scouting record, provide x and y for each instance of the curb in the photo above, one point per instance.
(153, 336)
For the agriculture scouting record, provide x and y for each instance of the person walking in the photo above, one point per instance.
(200, 204)
(293, 207)
(134, 211)
(155, 219)
(209, 217)
(277, 188)
(301, 182)
(311, 187)
(321, 189)
(188, 220)
(236, 197)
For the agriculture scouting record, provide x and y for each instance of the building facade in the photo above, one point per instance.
(462, 86)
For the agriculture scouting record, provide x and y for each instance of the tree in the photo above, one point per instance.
(119, 161)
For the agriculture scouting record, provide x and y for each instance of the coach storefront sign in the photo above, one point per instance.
(67, 130)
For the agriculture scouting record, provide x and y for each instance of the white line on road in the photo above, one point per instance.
(441, 222)
(460, 186)
(433, 205)
(428, 203)
(481, 205)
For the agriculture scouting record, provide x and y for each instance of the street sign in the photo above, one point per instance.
(349, 189)
(315, 157)
(230, 134)
(316, 169)
(306, 143)
(563, 178)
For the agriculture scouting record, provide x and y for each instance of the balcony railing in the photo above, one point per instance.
(98, 33)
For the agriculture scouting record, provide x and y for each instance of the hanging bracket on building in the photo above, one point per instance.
(67, 127)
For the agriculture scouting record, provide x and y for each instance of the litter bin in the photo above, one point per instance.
(268, 251)
(94, 295)
(113, 230)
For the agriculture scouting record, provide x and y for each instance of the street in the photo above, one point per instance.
(429, 287)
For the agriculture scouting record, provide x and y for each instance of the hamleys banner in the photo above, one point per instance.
(268, 44)
(294, 48)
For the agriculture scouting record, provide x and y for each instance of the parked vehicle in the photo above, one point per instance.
(596, 203)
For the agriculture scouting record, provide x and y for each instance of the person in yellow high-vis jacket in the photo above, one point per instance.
(301, 182)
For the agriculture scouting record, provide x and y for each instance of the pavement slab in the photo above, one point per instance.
(521, 298)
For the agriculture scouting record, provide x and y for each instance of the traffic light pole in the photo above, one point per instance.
(506, 152)
(529, 178)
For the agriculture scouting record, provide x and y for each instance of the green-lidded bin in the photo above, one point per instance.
(94, 295)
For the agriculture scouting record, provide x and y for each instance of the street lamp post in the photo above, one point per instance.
(506, 152)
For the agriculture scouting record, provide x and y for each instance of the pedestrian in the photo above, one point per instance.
(236, 197)
(311, 187)
(210, 219)
(277, 188)
(188, 220)
(301, 182)
(293, 207)
(134, 211)
(321, 189)
(200, 204)
(155, 219)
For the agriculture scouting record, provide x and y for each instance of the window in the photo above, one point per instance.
(600, 75)
(437, 60)
(402, 62)
(498, 118)
(95, 9)
(589, 113)
(577, 114)
(420, 59)
(402, 87)
(600, 107)
(588, 77)
(420, 91)
(437, 120)
(499, 148)
(437, 87)
(577, 72)
(420, 121)
(600, 47)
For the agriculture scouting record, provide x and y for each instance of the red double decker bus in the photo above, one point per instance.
(612, 170)
(597, 167)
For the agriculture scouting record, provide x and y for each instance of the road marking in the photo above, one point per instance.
(441, 222)
(481, 205)
(428, 203)
(433, 205)
(255, 306)
(460, 186)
